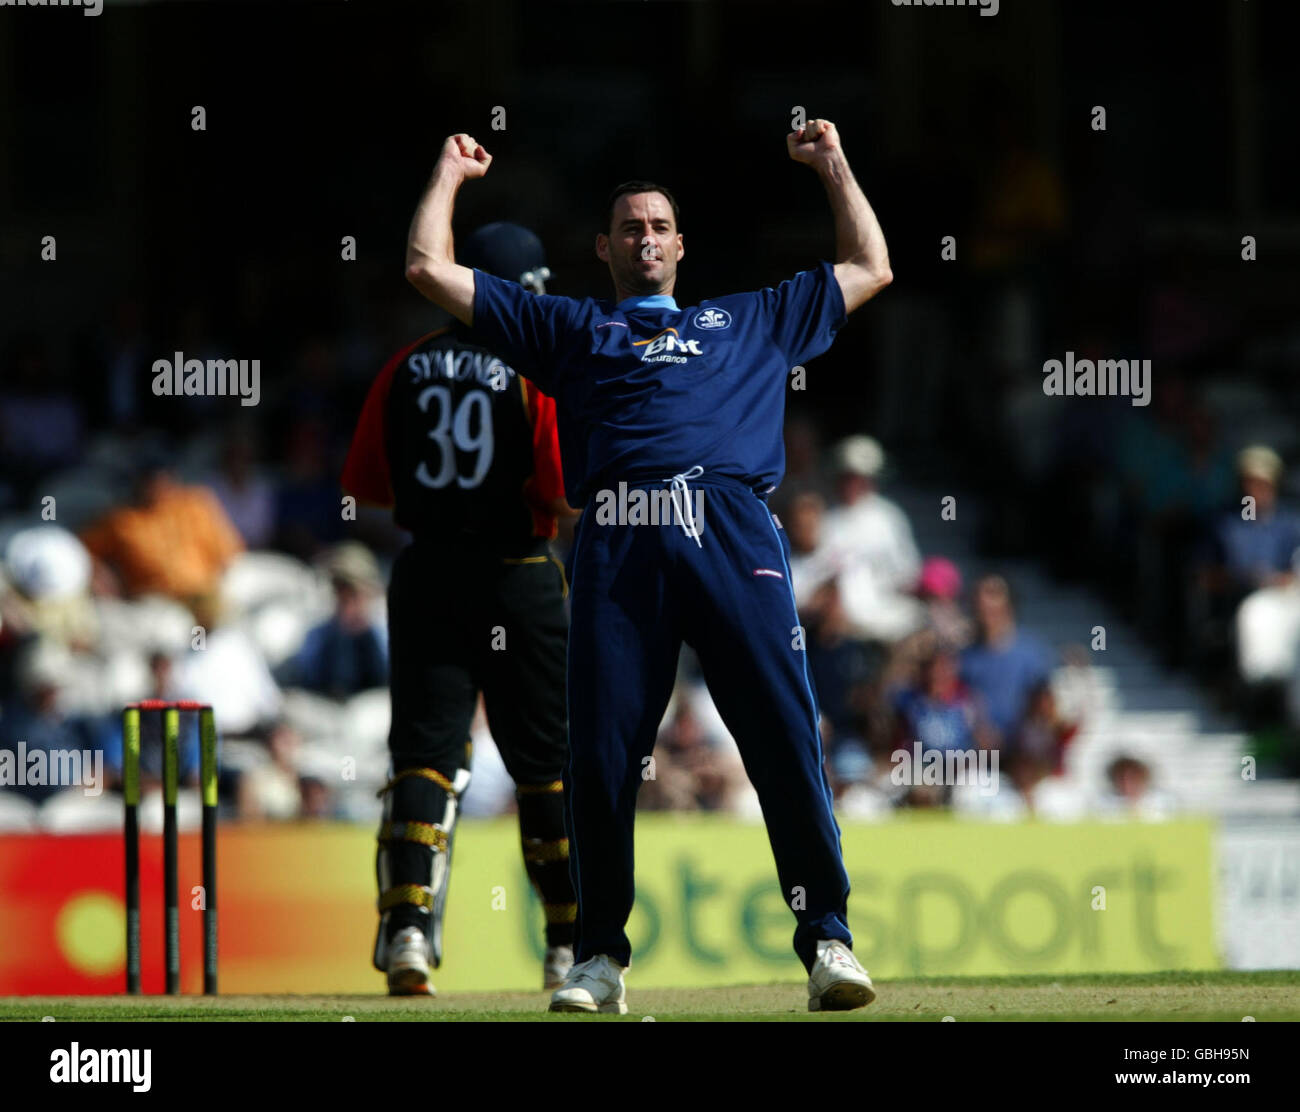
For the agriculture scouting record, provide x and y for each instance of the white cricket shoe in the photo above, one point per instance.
(838, 983)
(559, 960)
(595, 985)
(408, 964)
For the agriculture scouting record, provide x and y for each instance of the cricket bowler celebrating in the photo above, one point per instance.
(687, 401)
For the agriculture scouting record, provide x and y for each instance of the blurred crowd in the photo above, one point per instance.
(1179, 510)
(161, 598)
(190, 548)
(910, 665)
(209, 575)
(1187, 520)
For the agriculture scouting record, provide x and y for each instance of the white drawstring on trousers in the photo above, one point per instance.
(687, 517)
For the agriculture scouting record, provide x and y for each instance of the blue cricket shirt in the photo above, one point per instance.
(646, 390)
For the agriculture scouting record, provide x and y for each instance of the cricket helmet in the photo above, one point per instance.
(509, 251)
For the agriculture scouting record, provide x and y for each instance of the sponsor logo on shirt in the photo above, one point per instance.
(663, 348)
(712, 319)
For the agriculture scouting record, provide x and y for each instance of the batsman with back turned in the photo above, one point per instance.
(465, 451)
(683, 401)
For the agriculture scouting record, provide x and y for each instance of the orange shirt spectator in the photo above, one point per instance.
(174, 540)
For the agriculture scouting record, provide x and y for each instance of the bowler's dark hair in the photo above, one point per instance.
(640, 187)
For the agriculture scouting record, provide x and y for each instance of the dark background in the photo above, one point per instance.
(323, 120)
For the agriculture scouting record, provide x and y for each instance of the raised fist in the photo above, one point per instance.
(463, 152)
(813, 142)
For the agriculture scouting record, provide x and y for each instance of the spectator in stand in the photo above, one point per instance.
(673, 786)
(274, 790)
(809, 564)
(849, 772)
(1044, 734)
(693, 770)
(842, 665)
(246, 495)
(318, 802)
(1026, 789)
(939, 588)
(869, 543)
(1041, 794)
(1256, 549)
(49, 572)
(35, 721)
(843, 669)
(228, 671)
(1130, 795)
(172, 540)
(1251, 571)
(162, 685)
(946, 624)
(347, 653)
(1005, 665)
(939, 714)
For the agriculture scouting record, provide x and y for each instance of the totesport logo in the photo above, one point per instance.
(929, 897)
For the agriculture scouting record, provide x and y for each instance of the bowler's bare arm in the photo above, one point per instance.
(431, 265)
(861, 257)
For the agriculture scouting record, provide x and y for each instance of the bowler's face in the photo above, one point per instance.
(643, 245)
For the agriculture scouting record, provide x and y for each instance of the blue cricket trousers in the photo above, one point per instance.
(637, 592)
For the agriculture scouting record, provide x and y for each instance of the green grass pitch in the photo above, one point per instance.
(1157, 996)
